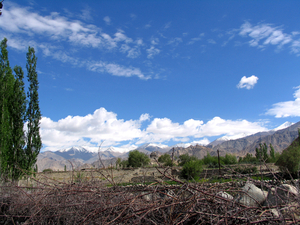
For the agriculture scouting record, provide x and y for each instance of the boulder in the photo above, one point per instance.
(281, 195)
(252, 195)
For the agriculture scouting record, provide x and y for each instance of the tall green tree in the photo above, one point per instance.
(6, 91)
(33, 115)
(272, 153)
(18, 150)
(18, 115)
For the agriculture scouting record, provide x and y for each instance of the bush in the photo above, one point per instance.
(249, 158)
(290, 160)
(212, 161)
(47, 170)
(230, 159)
(192, 169)
(124, 164)
(183, 159)
(166, 160)
(138, 159)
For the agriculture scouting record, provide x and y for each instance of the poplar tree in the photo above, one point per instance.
(18, 150)
(272, 153)
(33, 115)
(6, 91)
(18, 115)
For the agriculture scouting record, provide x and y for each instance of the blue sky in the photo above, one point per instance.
(166, 72)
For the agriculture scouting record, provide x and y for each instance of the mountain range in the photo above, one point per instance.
(80, 156)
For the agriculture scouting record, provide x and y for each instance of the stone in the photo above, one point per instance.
(225, 195)
(252, 195)
(281, 195)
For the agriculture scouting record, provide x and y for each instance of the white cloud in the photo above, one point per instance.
(175, 41)
(152, 51)
(193, 40)
(218, 126)
(117, 70)
(91, 129)
(86, 14)
(211, 41)
(101, 125)
(144, 117)
(107, 20)
(247, 82)
(263, 35)
(288, 108)
(17, 21)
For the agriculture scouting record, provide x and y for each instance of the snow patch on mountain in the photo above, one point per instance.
(283, 126)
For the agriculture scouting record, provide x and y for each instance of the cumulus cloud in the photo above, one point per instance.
(91, 129)
(247, 82)
(101, 125)
(288, 108)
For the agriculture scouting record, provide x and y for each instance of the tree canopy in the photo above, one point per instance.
(18, 149)
(138, 159)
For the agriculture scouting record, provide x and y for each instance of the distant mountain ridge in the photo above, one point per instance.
(280, 139)
(79, 156)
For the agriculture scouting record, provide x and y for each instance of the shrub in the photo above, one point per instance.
(124, 164)
(185, 158)
(230, 159)
(192, 169)
(166, 160)
(47, 170)
(249, 158)
(212, 161)
(138, 159)
(290, 159)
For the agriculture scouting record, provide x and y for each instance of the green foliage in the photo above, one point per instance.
(166, 160)
(192, 169)
(290, 158)
(262, 153)
(118, 162)
(212, 161)
(137, 159)
(124, 163)
(230, 159)
(34, 142)
(18, 151)
(249, 158)
(272, 154)
(65, 168)
(47, 170)
(183, 159)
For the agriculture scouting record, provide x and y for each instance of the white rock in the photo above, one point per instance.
(225, 195)
(252, 196)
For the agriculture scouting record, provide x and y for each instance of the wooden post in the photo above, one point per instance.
(219, 162)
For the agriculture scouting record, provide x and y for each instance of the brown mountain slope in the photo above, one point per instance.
(280, 140)
(198, 150)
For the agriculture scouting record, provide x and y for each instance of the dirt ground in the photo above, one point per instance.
(117, 176)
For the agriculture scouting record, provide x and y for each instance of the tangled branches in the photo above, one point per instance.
(90, 202)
